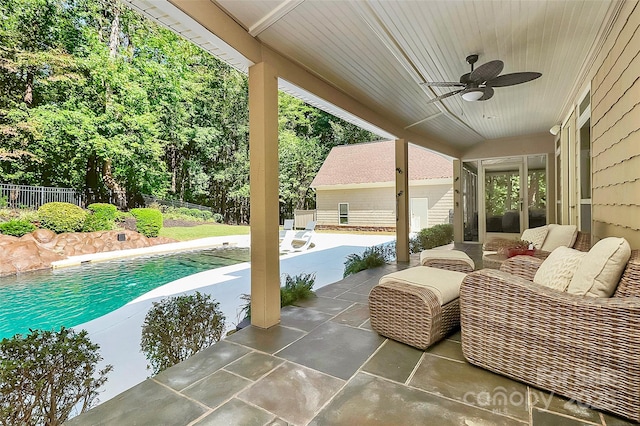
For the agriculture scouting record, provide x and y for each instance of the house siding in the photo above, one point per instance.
(615, 122)
(375, 207)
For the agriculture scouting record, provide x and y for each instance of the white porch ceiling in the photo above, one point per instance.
(379, 52)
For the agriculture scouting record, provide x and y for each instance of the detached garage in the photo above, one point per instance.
(355, 187)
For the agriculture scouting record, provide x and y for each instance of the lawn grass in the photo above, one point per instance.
(186, 233)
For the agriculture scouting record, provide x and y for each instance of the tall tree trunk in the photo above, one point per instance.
(28, 92)
(117, 192)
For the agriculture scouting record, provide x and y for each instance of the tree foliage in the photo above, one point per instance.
(98, 98)
(45, 374)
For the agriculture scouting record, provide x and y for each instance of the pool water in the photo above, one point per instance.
(71, 296)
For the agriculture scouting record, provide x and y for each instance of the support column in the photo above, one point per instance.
(402, 200)
(458, 219)
(263, 159)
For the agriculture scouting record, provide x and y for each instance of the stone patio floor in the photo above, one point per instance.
(324, 365)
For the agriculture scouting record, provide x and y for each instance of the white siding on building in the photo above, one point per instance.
(376, 207)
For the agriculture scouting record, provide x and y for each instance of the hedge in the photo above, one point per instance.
(16, 227)
(102, 218)
(148, 221)
(428, 238)
(61, 217)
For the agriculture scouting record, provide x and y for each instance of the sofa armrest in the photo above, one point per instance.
(580, 347)
(522, 266)
(498, 243)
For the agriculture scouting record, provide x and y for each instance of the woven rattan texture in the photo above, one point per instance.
(411, 314)
(583, 348)
(449, 265)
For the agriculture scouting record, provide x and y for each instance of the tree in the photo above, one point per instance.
(45, 374)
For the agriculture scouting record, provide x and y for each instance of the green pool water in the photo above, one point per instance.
(72, 296)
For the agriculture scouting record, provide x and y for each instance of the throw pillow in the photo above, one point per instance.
(559, 235)
(600, 270)
(535, 235)
(557, 270)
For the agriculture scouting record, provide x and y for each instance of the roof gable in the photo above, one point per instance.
(374, 162)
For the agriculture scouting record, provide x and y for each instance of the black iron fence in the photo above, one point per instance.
(26, 196)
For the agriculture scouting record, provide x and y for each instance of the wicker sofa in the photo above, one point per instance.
(586, 349)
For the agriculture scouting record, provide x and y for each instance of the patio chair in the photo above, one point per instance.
(288, 226)
(545, 239)
(584, 348)
(298, 241)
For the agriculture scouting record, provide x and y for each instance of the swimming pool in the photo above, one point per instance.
(71, 296)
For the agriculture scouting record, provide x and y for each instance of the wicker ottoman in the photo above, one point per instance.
(417, 306)
(451, 260)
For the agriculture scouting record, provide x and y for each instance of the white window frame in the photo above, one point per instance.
(340, 215)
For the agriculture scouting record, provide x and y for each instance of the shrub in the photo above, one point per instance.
(218, 218)
(206, 215)
(61, 217)
(177, 327)
(429, 238)
(298, 287)
(148, 221)
(45, 374)
(4, 202)
(16, 227)
(372, 257)
(102, 217)
(108, 211)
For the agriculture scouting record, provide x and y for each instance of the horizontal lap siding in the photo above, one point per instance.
(615, 119)
(376, 206)
(367, 206)
(440, 201)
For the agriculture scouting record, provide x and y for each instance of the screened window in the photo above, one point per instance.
(343, 213)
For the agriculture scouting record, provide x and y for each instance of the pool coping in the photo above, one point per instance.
(202, 243)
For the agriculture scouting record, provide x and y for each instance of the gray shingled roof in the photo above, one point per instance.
(375, 162)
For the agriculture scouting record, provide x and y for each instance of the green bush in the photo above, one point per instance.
(177, 327)
(16, 227)
(61, 217)
(372, 257)
(4, 202)
(296, 288)
(429, 238)
(46, 374)
(206, 215)
(148, 221)
(102, 217)
(108, 211)
(218, 218)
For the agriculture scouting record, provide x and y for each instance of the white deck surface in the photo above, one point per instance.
(118, 333)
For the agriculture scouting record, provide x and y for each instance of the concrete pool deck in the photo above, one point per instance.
(118, 332)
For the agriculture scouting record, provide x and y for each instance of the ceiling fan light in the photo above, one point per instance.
(472, 95)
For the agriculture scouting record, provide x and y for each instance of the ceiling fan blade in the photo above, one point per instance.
(442, 84)
(487, 71)
(513, 79)
(488, 93)
(446, 95)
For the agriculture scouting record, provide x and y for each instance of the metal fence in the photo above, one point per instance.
(149, 199)
(25, 196)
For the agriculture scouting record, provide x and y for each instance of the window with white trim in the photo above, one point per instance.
(343, 213)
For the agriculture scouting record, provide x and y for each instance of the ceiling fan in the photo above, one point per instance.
(478, 84)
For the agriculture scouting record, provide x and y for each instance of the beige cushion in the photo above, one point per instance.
(444, 284)
(600, 270)
(558, 236)
(427, 255)
(557, 270)
(535, 235)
